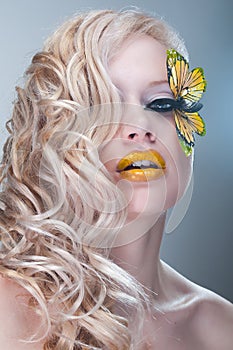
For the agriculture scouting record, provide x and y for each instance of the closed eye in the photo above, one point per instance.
(161, 105)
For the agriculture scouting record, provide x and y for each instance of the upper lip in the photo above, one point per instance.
(151, 157)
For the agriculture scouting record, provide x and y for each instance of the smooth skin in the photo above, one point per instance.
(17, 320)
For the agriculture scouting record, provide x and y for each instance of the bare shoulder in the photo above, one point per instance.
(213, 321)
(204, 317)
(17, 321)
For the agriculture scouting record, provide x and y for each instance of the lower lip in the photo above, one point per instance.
(142, 175)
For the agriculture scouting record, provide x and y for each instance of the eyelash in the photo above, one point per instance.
(161, 105)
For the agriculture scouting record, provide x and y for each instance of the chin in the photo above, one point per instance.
(151, 201)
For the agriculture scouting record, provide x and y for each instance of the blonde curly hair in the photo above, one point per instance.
(59, 206)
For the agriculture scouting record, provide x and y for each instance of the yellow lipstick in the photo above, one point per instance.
(142, 166)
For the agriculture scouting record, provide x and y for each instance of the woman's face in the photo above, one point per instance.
(139, 73)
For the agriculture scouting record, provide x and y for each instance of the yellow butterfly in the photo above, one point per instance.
(187, 88)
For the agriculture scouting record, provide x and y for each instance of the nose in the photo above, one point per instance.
(137, 134)
(137, 125)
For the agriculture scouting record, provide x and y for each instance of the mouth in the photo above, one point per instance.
(141, 166)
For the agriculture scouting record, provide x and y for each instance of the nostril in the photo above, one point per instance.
(144, 136)
(150, 136)
(132, 136)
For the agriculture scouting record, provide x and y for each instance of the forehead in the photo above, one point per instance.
(142, 55)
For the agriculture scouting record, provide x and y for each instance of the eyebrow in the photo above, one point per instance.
(157, 82)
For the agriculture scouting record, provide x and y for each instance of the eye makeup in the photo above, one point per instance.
(161, 105)
(158, 97)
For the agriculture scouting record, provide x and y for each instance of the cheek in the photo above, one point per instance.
(179, 170)
(110, 157)
(184, 171)
(178, 177)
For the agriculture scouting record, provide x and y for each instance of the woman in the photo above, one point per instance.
(90, 168)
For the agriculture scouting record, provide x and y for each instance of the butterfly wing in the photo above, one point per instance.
(186, 125)
(177, 68)
(194, 85)
(187, 88)
(185, 84)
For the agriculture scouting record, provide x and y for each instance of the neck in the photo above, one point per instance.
(141, 257)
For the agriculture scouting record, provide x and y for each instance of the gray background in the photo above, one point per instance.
(201, 246)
